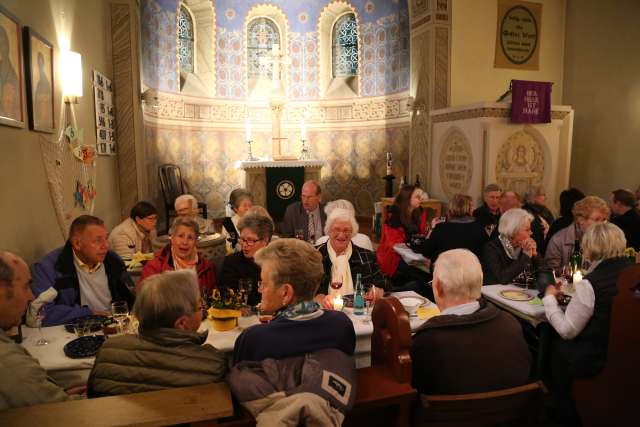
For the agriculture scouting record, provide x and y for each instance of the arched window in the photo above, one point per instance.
(185, 40)
(344, 46)
(262, 34)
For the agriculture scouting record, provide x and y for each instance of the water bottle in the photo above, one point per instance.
(358, 297)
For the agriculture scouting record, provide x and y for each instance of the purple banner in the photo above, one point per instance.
(530, 101)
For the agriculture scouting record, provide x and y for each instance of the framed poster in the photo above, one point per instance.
(39, 69)
(11, 71)
(105, 116)
(518, 35)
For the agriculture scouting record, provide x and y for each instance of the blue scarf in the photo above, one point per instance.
(295, 310)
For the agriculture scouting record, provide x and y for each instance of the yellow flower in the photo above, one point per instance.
(630, 252)
(216, 295)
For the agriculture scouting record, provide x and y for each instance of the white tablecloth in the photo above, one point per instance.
(532, 313)
(68, 372)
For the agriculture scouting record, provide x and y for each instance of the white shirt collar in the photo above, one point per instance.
(462, 309)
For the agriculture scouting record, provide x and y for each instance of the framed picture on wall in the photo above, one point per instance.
(39, 70)
(11, 71)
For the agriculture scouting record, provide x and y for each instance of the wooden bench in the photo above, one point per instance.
(153, 408)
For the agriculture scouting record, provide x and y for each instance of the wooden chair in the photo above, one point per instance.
(172, 186)
(610, 397)
(515, 406)
(384, 396)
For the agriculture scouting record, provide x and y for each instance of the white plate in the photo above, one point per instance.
(411, 304)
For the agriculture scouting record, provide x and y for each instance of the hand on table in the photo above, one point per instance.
(325, 301)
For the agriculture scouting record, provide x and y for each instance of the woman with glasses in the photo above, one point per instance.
(342, 260)
(291, 272)
(255, 233)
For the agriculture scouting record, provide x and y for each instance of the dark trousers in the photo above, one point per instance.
(560, 385)
(409, 278)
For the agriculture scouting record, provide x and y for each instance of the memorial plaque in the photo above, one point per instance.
(456, 164)
(518, 35)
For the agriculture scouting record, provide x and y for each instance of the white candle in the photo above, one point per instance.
(303, 130)
(247, 129)
(577, 277)
(338, 303)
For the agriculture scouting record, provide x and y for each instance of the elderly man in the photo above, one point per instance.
(167, 352)
(187, 206)
(471, 346)
(306, 215)
(23, 382)
(488, 214)
(83, 277)
(625, 216)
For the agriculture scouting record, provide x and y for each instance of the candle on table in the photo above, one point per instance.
(247, 129)
(577, 276)
(338, 303)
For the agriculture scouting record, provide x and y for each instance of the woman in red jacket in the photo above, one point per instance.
(181, 254)
(405, 219)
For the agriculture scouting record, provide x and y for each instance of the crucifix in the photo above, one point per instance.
(277, 96)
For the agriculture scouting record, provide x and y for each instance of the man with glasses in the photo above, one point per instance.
(85, 275)
(307, 215)
(239, 268)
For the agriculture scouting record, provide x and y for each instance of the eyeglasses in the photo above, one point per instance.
(249, 242)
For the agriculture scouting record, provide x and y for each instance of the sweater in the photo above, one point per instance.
(154, 360)
(485, 217)
(472, 353)
(126, 238)
(394, 233)
(498, 268)
(454, 234)
(284, 337)
(629, 223)
(237, 266)
(361, 261)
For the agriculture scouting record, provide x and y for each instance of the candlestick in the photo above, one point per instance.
(303, 130)
(247, 130)
(338, 303)
(389, 162)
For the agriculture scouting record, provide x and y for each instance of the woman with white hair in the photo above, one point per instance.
(186, 206)
(512, 251)
(359, 239)
(343, 260)
(167, 352)
(579, 350)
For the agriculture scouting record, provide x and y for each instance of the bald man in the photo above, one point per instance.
(23, 382)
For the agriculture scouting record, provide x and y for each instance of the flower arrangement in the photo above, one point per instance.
(630, 253)
(224, 308)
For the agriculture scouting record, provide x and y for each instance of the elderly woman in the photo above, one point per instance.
(136, 233)
(512, 251)
(181, 254)
(343, 260)
(587, 211)
(580, 348)
(240, 201)
(167, 352)
(291, 274)
(186, 206)
(359, 239)
(255, 234)
(460, 231)
(405, 220)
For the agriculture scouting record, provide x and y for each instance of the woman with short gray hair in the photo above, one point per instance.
(512, 251)
(167, 352)
(291, 271)
(359, 239)
(240, 201)
(240, 268)
(579, 350)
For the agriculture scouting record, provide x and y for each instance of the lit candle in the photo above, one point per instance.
(577, 277)
(303, 130)
(247, 129)
(338, 303)
(389, 163)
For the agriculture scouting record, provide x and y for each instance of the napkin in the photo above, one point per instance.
(44, 298)
(536, 301)
(425, 313)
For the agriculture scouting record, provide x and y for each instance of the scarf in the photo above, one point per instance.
(308, 309)
(340, 270)
(513, 253)
(184, 264)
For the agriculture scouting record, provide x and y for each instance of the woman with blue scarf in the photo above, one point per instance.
(291, 273)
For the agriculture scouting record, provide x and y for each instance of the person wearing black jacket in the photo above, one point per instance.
(488, 214)
(255, 233)
(567, 199)
(512, 251)
(623, 207)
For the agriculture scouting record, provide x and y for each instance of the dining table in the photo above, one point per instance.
(68, 372)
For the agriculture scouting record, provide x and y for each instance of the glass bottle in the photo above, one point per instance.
(358, 296)
(576, 257)
(418, 183)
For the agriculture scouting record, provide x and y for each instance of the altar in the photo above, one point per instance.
(277, 183)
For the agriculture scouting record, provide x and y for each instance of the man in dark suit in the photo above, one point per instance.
(488, 214)
(306, 215)
(626, 216)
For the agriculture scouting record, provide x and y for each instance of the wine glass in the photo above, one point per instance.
(245, 285)
(336, 285)
(299, 234)
(39, 318)
(120, 311)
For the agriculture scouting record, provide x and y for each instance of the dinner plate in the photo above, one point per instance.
(97, 322)
(516, 295)
(84, 346)
(411, 303)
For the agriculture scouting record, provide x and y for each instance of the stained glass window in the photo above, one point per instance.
(262, 34)
(185, 40)
(345, 46)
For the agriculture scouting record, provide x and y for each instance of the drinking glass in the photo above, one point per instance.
(120, 311)
(299, 233)
(336, 285)
(245, 285)
(39, 318)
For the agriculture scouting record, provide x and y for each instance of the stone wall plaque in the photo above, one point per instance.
(456, 164)
(518, 35)
(520, 163)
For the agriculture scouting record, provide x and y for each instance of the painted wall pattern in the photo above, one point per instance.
(303, 49)
(159, 66)
(229, 63)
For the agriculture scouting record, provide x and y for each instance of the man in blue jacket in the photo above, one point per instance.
(86, 276)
